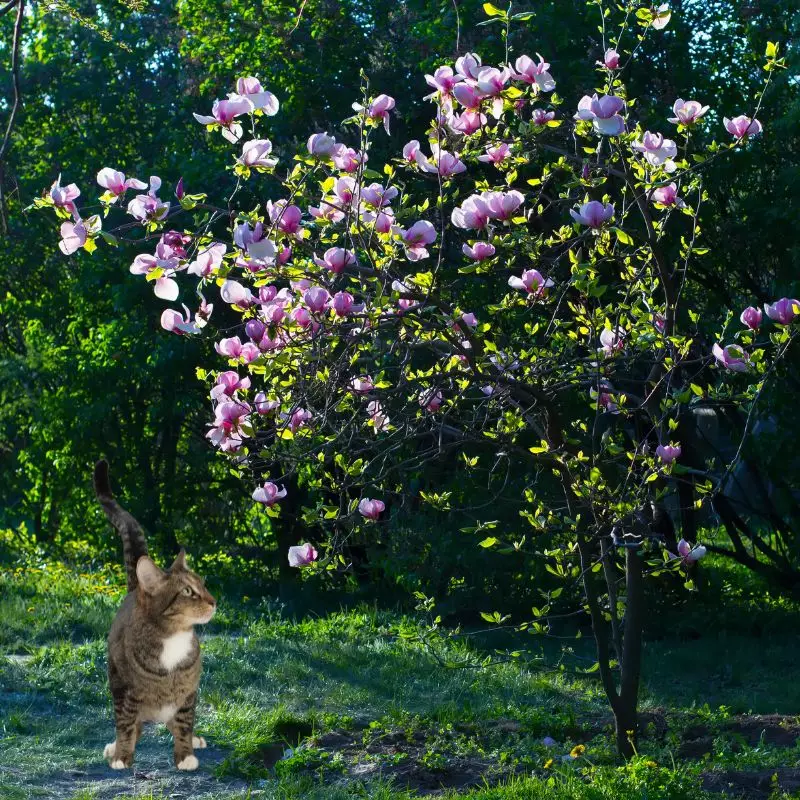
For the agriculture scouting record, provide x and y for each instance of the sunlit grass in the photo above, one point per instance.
(271, 683)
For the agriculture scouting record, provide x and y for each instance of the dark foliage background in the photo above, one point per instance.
(85, 369)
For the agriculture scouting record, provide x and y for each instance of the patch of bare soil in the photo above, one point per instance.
(409, 759)
(756, 785)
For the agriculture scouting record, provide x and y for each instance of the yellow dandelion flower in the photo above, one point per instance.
(578, 750)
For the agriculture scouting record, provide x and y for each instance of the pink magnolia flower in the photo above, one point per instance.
(173, 322)
(603, 113)
(687, 112)
(751, 317)
(491, 80)
(263, 405)
(742, 126)
(410, 150)
(430, 399)
(531, 282)
(469, 96)
(473, 213)
(316, 298)
(668, 453)
(604, 399)
(610, 59)
(377, 195)
(541, 117)
(379, 109)
(421, 233)
(302, 316)
(383, 220)
(661, 16)
(502, 205)
(593, 214)
(534, 73)
(327, 212)
(783, 311)
(269, 494)
(224, 112)
(261, 99)
(233, 293)
(208, 260)
(336, 259)
(116, 183)
(227, 384)
(377, 416)
(255, 329)
(345, 190)
(657, 150)
(321, 145)
(285, 216)
(254, 241)
(362, 385)
(371, 509)
(611, 341)
(469, 319)
(443, 80)
(203, 313)
(227, 431)
(255, 153)
(668, 196)
(297, 419)
(347, 159)
(468, 66)
(73, 237)
(233, 348)
(468, 122)
(64, 196)
(442, 162)
(301, 555)
(147, 207)
(479, 251)
(495, 154)
(342, 304)
(165, 287)
(687, 554)
(731, 357)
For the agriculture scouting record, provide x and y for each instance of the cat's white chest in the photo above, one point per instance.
(175, 649)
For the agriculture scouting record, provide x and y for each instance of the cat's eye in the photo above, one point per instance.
(188, 591)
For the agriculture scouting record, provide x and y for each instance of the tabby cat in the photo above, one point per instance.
(153, 653)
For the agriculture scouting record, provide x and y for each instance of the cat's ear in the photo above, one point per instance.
(179, 564)
(148, 574)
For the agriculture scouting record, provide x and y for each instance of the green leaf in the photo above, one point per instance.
(489, 541)
(492, 11)
(624, 238)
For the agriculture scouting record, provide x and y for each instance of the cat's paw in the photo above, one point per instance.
(198, 742)
(118, 763)
(189, 764)
(110, 750)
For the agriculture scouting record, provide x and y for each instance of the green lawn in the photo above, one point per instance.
(340, 706)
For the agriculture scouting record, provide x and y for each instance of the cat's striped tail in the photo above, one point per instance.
(134, 545)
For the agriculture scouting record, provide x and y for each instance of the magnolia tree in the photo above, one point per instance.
(508, 295)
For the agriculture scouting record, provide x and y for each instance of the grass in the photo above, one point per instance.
(340, 706)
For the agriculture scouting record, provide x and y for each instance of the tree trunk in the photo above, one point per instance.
(625, 711)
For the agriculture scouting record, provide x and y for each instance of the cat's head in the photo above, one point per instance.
(177, 596)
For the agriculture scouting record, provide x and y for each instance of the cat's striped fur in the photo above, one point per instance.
(153, 653)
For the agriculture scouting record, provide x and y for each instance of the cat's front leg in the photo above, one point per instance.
(181, 726)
